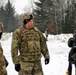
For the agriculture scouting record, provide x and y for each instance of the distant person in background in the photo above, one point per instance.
(31, 45)
(72, 54)
(3, 61)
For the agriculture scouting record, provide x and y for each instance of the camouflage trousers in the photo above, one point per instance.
(31, 68)
(3, 70)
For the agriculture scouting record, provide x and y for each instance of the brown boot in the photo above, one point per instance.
(67, 72)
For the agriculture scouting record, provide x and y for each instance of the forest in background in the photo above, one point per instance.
(56, 16)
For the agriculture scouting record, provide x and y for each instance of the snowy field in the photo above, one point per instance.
(58, 50)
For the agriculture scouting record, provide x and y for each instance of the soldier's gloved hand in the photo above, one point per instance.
(47, 61)
(17, 67)
(6, 64)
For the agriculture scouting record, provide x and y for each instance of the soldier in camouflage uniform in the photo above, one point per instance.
(27, 45)
(3, 61)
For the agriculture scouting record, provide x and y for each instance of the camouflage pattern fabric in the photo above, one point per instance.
(30, 43)
(31, 68)
(1, 27)
(26, 16)
(3, 70)
(2, 62)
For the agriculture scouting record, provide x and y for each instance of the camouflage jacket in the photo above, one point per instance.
(3, 70)
(28, 45)
(1, 55)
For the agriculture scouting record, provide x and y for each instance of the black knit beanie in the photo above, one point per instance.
(27, 20)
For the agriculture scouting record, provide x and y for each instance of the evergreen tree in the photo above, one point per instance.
(39, 15)
(70, 17)
(9, 21)
(44, 14)
(2, 11)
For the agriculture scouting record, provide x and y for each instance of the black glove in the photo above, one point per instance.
(17, 67)
(6, 64)
(0, 34)
(47, 61)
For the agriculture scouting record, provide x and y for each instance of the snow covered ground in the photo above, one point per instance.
(58, 50)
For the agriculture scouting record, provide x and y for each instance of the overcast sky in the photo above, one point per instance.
(22, 5)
